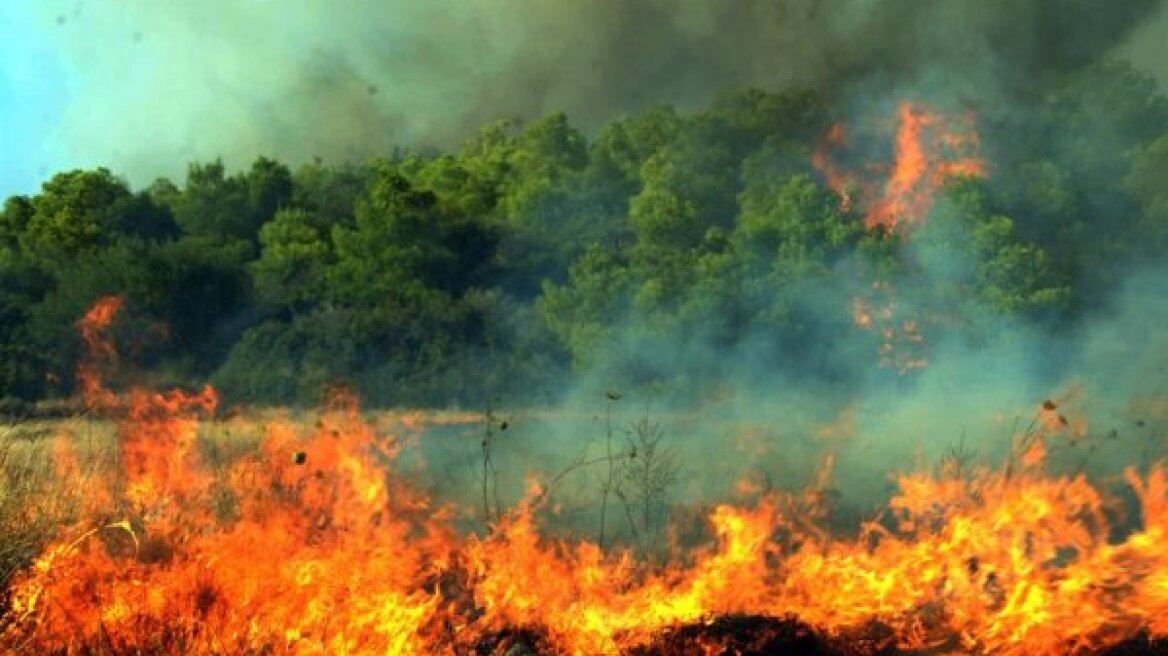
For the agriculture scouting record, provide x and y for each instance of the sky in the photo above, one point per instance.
(34, 90)
(145, 87)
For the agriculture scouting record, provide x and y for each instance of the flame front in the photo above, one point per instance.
(312, 543)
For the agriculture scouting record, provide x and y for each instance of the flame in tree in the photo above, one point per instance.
(902, 345)
(929, 147)
(315, 543)
(100, 350)
(836, 180)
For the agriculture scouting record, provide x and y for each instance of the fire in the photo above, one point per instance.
(316, 543)
(307, 540)
(902, 342)
(929, 147)
(836, 180)
(99, 348)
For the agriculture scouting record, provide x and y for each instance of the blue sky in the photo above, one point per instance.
(34, 92)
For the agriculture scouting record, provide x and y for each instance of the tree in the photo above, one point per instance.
(1144, 184)
(296, 253)
(623, 146)
(295, 359)
(329, 193)
(226, 208)
(584, 312)
(968, 246)
(212, 204)
(688, 186)
(1014, 276)
(75, 211)
(793, 225)
(21, 287)
(402, 241)
(198, 289)
(269, 188)
(14, 219)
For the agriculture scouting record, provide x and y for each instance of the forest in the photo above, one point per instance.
(677, 250)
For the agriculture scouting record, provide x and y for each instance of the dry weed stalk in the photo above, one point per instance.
(648, 470)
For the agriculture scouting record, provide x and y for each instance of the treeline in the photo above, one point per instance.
(675, 248)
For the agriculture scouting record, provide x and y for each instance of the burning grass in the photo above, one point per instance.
(163, 531)
(252, 551)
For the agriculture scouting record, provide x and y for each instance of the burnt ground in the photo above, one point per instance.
(750, 635)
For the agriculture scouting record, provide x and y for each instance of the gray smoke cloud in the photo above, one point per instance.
(156, 85)
(159, 84)
(972, 400)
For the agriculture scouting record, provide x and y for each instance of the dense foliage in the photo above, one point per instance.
(672, 247)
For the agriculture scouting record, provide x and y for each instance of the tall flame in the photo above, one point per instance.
(100, 351)
(929, 147)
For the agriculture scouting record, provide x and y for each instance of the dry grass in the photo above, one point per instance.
(37, 498)
(34, 500)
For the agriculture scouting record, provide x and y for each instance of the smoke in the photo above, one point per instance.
(1103, 380)
(155, 85)
(1145, 46)
(975, 400)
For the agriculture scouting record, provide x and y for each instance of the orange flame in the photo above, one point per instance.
(929, 148)
(836, 180)
(99, 349)
(927, 152)
(902, 345)
(315, 544)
